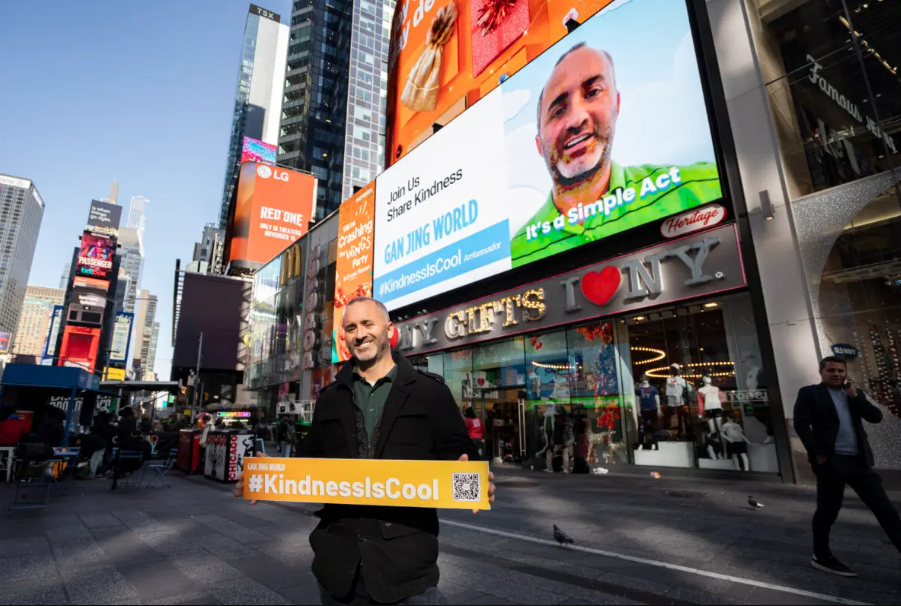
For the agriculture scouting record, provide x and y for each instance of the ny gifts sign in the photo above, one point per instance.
(698, 265)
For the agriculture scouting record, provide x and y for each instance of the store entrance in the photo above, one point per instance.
(502, 410)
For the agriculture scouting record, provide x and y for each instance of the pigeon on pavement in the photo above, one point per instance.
(754, 504)
(561, 537)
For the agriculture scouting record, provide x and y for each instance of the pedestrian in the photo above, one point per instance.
(829, 421)
(475, 429)
(563, 440)
(380, 407)
(12, 430)
(286, 436)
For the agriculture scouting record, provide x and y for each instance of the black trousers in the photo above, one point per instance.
(832, 477)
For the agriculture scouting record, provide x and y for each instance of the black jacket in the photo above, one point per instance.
(398, 546)
(816, 421)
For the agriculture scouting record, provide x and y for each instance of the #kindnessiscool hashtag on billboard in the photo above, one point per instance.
(605, 131)
(439, 484)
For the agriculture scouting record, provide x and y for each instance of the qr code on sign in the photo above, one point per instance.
(467, 487)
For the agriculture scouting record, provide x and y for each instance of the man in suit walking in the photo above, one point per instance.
(829, 420)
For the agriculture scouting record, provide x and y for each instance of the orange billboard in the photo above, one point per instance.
(447, 54)
(353, 270)
(273, 209)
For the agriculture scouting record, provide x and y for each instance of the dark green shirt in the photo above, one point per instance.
(665, 192)
(370, 399)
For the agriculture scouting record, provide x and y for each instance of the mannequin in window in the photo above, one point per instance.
(677, 389)
(736, 444)
(546, 427)
(710, 404)
(649, 409)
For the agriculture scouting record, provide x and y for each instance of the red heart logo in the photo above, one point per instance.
(599, 287)
(481, 382)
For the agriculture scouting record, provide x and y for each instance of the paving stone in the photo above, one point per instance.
(307, 594)
(206, 570)
(191, 598)
(11, 548)
(266, 570)
(25, 567)
(246, 591)
(171, 544)
(157, 580)
(98, 585)
(33, 591)
(100, 520)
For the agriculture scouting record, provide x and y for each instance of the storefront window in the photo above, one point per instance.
(496, 383)
(831, 68)
(700, 398)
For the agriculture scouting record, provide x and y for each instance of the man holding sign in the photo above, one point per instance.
(380, 407)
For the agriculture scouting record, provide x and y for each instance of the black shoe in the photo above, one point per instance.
(832, 566)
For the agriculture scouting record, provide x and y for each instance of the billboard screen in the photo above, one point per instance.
(79, 347)
(447, 55)
(103, 218)
(273, 209)
(582, 143)
(4, 343)
(53, 333)
(121, 337)
(353, 269)
(95, 257)
(254, 150)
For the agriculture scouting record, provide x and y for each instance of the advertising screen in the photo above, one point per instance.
(103, 218)
(254, 150)
(446, 55)
(53, 333)
(582, 143)
(4, 343)
(95, 258)
(79, 347)
(273, 209)
(353, 270)
(121, 337)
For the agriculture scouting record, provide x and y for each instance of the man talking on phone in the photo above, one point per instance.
(380, 407)
(829, 420)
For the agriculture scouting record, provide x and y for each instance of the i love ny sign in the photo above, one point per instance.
(701, 264)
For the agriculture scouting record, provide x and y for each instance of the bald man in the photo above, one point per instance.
(593, 196)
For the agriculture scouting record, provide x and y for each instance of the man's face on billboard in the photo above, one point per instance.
(577, 116)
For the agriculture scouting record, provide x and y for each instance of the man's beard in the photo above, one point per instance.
(584, 168)
(371, 354)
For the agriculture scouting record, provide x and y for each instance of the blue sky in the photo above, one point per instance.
(138, 91)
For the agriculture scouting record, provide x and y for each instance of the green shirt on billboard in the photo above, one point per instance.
(656, 192)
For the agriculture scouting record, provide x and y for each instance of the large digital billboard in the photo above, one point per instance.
(447, 55)
(273, 209)
(353, 268)
(95, 257)
(80, 347)
(121, 337)
(104, 217)
(254, 150)
(582, 143)
(56, 320)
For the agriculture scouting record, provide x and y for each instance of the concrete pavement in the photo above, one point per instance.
(668, 541)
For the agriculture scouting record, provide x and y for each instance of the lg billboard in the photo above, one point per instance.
(274, 208)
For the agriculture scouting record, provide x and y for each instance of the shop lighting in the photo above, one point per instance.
(638, 318)
(552, 366)
(661, 372)
(711, 304)
(658, 354)
(866, 45)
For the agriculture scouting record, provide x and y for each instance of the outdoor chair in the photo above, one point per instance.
(161, 469)
(31, 477)
(127, 467)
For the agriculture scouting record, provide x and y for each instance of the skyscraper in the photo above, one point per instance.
(151, 349)
(333, 112)
(21, 211)
(258, 98)
(137, 218)
(209, 251)
(67, 273)
(131, 250)
(34, 320)
(143, 330)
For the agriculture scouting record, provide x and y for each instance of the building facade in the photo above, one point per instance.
(258, 95)
(21, 212)
(34, 321)
(143, 331)
(131, 250)
(137, 214)
(209, 251)
(333, 113)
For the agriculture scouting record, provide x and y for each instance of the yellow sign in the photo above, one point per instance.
(114, 374)
(439, 484)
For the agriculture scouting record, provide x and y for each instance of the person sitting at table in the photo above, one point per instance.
(51, 430)
(129, 437)
(92, 448)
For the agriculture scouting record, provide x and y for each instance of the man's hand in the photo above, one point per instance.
(491, 486)
(851, 388)
(821, 460)
(239, 487)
